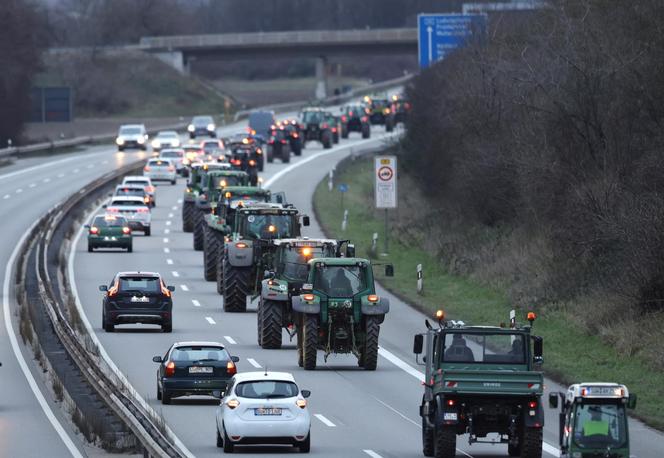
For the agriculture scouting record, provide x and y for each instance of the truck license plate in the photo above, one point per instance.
(450, 416)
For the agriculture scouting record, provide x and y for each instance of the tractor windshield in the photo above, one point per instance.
(312, 117)
(294, 265)
(498, 348)
(600, 426)
(222, 181)
(340, 281)
(268, 226)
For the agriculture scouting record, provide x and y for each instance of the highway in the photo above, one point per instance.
(355, 413)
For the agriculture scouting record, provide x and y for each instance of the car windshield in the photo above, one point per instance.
(266, 389)
(294, 265)
(221, 181)
(140, 192)
(340, 281)
(267, 226)
(159, 163)
(130, 131)
(600, 426)
(199, 353)
(128, 203)
(488, 348)
(202, 120)
(137, 182)
(172, 154)
(211, 147)
(312, 117)
(379, 103)
(140, 284)
(109, 221)
(167, 135)
(247, 200)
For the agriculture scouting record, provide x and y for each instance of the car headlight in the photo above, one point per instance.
(191, 128)
(210, 127)
(176, 143)
(155, 143)
(141, 140)
(119, 141)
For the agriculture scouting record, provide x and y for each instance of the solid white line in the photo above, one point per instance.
(324, 420)
(372, 454)
(102, 351)
(19, 356)
(167, 250)
(210, 320)
(184, 288)
(165, 239)
(230, 340)
(401, 364)
(167, 231)
(168, 223)
(169, 262)
(48, 164)
(253, 362)
(175, 273)
(196, 303)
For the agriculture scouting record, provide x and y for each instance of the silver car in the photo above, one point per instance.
(165, 139)
(132, 136)
(145, 182)
(134, 209)
(160, 170)
(176, 156)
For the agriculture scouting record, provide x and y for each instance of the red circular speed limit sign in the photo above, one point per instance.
(385, 173)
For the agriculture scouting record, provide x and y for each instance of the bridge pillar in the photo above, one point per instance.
(174, 59)
(321, 77)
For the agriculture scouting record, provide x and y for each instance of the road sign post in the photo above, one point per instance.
(385, 171)
(440, 34)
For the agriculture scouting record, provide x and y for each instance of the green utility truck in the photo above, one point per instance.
(219, 222)
(285, 280)
(193, 188)
(247, 252)
(593, 420)
(481, 380)
(339, 311)
(212, 185)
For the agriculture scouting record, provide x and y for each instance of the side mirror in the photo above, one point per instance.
(103, 288)
(538, 349)
(104, 206)
(305, 220)
(350, 251)
(631, 402)
(389, 270)
(305, 393)
(553, 400)
(418, 344)
(235, 359)
(157, 359)
(171, 288)
(87, 226)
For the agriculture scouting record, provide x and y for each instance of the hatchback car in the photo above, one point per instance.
(134, 190)
(264, 408)
(165, 139)
(137, 297)
(109, 231)
(194, 368)
(134, 209)
(132, 136)
(146, 183)
(202, 125)
(160, 170)
(176, 156)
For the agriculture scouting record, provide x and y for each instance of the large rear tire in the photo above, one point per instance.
(344, 133)
(445, 442)
(297, 149)
(198, 229)
(220, 271)
(310, 344)
(210, 251)
(259, 322)
(366, 131)
(427, 440)
(187, 217)
(370, 350)
(236, 287)
(327, 140)
(271, 320)
(531, 446)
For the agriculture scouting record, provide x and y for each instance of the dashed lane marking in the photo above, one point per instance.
(170, 215)
(167, 231)
(46, 180)
(324, 420)
(168, 223)
(175, 273)
(184, 288)
(19, 191)
(7, 196)
(32, 185)
(169, 262)
(253, 362)
(167, 250)
(210, 320)
(372, 454)
(230, 340)
(196, 303)
(165, 239)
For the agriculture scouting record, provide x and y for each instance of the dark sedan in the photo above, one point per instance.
(194, 368)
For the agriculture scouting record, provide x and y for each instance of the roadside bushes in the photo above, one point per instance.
(550, 136)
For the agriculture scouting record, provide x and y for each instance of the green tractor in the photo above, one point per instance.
(285, 280)
(219, 222)
(338, 311)
(379, 110)
(481, 380)
(248, 251)
(212, 185)
(196, 175)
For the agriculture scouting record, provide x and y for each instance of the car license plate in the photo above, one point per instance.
(264, 411)
(200, 370)
(140, 299)
(450, 416)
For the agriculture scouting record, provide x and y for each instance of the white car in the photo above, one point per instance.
(264, 408)
(146, 182)
(160, 170)
(165, 139)
(132, 136)
(176, 156)
(134, 209)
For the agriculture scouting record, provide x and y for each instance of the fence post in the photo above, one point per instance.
(330, 181)
(344, 222)
(420, 280)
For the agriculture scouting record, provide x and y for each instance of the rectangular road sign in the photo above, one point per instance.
(385, 171)
(440, 34)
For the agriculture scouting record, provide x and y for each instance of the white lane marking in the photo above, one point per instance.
(372, 454)
(19, 191)
(253, 362)
(19, 356)
(7, 196)
(550, 449)
(324, 420)
(170, 215)
(32, 185)
(196, 303)
(46, 180)
(167, 250)
(169, 262)
(76, 170)
(165, 239)
(210, 320)
(61, 175)
(398, 413)
(167, 231)
(168, 223)
(102, 351)
(175, 273)
(184, 288)
(48, 164)
(179, 201)
(401, 364)
(230, 340)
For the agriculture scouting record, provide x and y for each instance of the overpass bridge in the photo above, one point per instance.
(179, 51)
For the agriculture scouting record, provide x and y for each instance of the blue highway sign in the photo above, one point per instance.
(440, 34)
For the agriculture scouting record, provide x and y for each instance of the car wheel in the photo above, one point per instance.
(173, 182)
(220, 441)
(165, 397)
(90, 248)
(167, 327)
(108, 326)
(147, 232)
(130, 248)
(228, 445)
(158, 393)
(305, 446)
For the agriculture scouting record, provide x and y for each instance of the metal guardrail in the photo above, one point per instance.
(118, 397)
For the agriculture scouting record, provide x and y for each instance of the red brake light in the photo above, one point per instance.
(126, 230)
(252, 162)
(532, 404)
(170, 369)
(325, 125)
(171, 168)
(295, 135)
(450, 402)
(149, 188)
(112, 210)
(334, 129)
(146, 168)
(364, 119)
(143, 210)
(344, 118)
(94, 230)
(230, 368)
(283, 141)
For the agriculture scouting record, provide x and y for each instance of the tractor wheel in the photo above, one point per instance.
(335, 138)
(285, 155)
(236, 287)
(344, 133)
(187, 217)
(366, 131)
(389, 125)
(514, 450)
(310, 344)
(198, 230)
(326, 140)
(300, 351)
(297, 149)
(210, 250)
(445, 442)
(220, 271)
(271, 319)
(370, 350)
(259, 322)
(531, 446)
(427, 440)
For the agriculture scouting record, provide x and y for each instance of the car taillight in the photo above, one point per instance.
(308, 297)
(94, 230)
(325, 125)
(252, 162)
(451, 402)
(112, 210)
(334, 129)
(236, 162)
(171, 168)
(146, 169)
(232, 403)
(149, 188)
(344, 118)
(230, 368)
(301, 403)
(364, 119)
(143, 210)
(259, 151)
(283, 142)
(296, 135)
(146, 199)
(271, 142)
(126, 230)
(532, 404)
(203, 196)
(170, 369)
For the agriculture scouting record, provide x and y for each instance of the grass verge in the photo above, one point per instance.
(571, 354)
